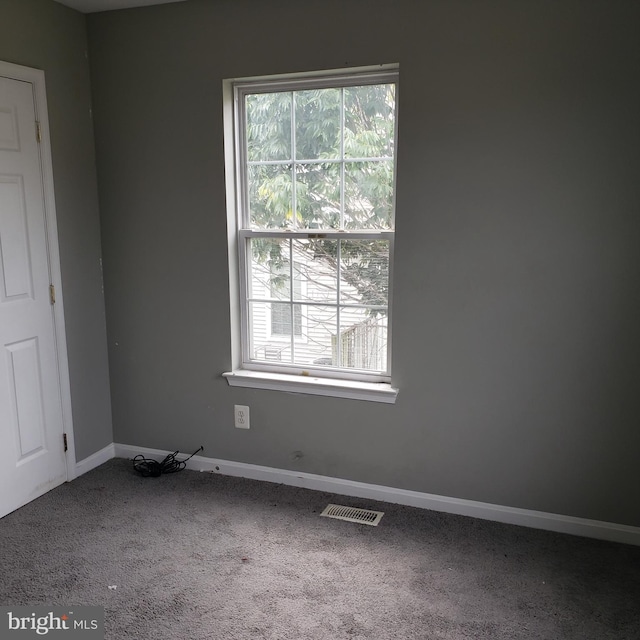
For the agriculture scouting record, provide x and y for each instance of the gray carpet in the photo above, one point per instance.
(195, 555)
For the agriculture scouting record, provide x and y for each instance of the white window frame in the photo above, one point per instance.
(247, 372)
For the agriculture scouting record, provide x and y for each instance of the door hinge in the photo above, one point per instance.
(64, 439)
(38, 132)
(52, 293)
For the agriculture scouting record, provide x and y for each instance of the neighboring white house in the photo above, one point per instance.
(303, 326)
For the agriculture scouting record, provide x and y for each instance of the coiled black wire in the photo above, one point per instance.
(150, 468)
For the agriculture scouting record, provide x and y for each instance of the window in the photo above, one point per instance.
(314, 199)
(281, 312)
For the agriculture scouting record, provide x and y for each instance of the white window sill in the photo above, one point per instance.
(370, 391)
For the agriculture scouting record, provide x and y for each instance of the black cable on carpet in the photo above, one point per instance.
(150, 468)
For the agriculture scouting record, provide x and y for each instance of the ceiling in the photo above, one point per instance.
(91, 6)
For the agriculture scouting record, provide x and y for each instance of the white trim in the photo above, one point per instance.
(319, 234)
(239, 216)
(232, 170)
(352, 389)
(37, 79)
(509, 515)
(376, 74)
(95, 460)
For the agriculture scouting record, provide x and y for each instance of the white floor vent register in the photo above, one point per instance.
(353, 514)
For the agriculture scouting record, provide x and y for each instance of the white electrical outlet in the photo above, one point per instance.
(241, 413)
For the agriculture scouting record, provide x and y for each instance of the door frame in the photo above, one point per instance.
(37, 80)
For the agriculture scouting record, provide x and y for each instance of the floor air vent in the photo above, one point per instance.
(352, 514)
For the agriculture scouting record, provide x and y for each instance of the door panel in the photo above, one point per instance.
(31, 423)
(26, 388)
(16, 270)
(8, 129)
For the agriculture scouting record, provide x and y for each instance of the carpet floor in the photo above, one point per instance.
(195, 556)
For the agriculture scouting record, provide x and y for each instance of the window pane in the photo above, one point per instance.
(280, 278)
(270, 201)
(263, 346)
(281, 319)
(269, 269)
(364, 272)
(318, 195)
(369, 114)
(268, 126)
(368, 195)
(363, 340)
(318, 124)
(315, 268)
(315, 348)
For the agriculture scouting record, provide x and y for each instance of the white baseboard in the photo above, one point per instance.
(486, 511)
(95, 459)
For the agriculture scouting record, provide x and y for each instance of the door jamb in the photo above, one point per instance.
(36, 78)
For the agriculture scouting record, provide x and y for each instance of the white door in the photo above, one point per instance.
(31, 422)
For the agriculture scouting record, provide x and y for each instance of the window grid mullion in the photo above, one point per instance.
(294, 218)
(341, 160)
(339, 249)
(294, 203)
(322, 303)
(259, 163)
(291, 314)
(338, 296)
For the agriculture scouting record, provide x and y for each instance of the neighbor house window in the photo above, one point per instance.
(315, 181)
(281, 320)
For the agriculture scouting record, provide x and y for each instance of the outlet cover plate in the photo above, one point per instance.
(241, 416)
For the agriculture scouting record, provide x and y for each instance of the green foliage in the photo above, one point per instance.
(341, 142)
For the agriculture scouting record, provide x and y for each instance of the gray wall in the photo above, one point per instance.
(516, 300)
(46, 35)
